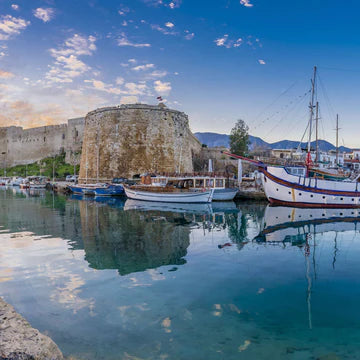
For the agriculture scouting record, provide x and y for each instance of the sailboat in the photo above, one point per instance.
(283, 188)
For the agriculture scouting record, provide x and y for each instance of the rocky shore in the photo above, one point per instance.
(20, 341)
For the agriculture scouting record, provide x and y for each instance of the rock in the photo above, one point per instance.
(19, 341)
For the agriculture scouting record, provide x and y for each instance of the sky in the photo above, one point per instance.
(216, 60)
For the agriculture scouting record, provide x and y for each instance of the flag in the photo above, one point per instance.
(160, 98)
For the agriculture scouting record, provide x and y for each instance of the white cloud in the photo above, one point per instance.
(228, 43)
(6, 74)
(124, 11)
(157, 74)
(143, 67)
(15, 7)
(124, 23)
(135, 89)
(262, 62)
(169, 25)
(162, 88)
(172, 4)
(189, 35)
(44, 14)
(101, 86)
(129, 100)
(11, 26)
(123, 41)
(119, 80)
(67, 64)
(132, 61)
(161, 29)
(246, 3)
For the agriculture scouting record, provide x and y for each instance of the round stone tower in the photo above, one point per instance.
(133, 139)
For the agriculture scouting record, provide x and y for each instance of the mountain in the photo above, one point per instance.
(213, 139)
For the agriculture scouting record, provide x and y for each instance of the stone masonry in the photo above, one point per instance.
(133, 139)
(20, 146)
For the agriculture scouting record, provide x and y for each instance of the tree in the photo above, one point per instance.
(239, 138)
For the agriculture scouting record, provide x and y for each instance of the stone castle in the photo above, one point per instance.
(110, 142)
(20, 146)
(129, 140)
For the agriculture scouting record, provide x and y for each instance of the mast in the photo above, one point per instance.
(317, 132)
(337, 139)
(308, 159)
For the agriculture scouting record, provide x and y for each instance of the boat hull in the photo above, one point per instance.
(175, 197)
(111, 190)
(224, 194)
(284, 189)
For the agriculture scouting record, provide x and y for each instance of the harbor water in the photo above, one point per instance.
(109, 278)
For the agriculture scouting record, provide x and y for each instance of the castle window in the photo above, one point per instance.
(44, 138)
(63, 136)
(76, 133)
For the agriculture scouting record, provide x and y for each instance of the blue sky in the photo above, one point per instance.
(218, 61)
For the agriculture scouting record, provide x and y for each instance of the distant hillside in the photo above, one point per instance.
(214, 139)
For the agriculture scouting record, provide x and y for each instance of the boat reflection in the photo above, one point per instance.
(288, 224)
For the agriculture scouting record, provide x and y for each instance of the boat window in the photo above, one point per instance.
(199, 182)
(219, 183)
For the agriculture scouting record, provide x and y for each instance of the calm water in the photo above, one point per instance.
(115, 279)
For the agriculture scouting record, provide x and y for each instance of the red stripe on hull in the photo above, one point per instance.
(276, 202)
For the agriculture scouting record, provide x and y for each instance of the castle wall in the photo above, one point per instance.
(26, 146)
(134, 139)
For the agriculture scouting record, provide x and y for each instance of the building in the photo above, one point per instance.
(20, 146)
(130, 140)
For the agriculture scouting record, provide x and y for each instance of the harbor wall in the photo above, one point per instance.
(129, 140)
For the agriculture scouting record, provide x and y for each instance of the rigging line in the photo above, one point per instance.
(327, 100)
(301, 97)
(287, 114)
(274, 101)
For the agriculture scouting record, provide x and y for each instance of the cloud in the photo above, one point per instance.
(169, 25)
(172, 4)
(143, 67)
(44, 14)
(15, 7)
(6, 74)
(157, 74)
(189, 35)
(129, 100)
(124, 11)
(11, 26)
(262, 62)
(135, 89)
(67, 65)
(132, 61)
(246, 3)
(228, 43)
(119, 80)
(161, 29)
(162, 88)
(101, 86)
(123, 41)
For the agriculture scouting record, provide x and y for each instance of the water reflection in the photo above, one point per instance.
(169, 288)
(295, 225)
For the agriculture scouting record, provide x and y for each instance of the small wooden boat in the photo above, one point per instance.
(168, 194)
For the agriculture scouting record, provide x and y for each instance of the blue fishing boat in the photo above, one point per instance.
(109, 190)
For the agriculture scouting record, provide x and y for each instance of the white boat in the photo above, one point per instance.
(282, 188)
(176, 196)
(34, 182)
(16, 181)
(198, 182)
